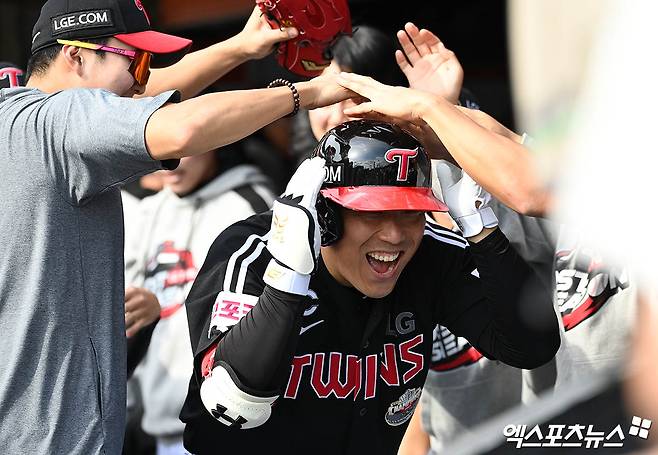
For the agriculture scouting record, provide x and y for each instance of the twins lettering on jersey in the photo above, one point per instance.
(169, 275)
(450, 351)
(583, 285)
(345, 375)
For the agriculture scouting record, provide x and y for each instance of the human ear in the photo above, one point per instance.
(73, 59)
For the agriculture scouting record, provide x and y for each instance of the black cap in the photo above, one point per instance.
(126, 20)
(11, 76)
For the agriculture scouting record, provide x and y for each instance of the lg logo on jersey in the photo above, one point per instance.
(343, 375)
(404, 324)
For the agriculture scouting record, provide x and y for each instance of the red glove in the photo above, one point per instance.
(320, 23)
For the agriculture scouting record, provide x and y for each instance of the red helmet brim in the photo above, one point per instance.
(385, 198)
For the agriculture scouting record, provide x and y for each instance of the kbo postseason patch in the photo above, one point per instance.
(401, 410)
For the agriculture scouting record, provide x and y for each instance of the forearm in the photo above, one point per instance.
(197, 70)
(210, 121)
(500, 165)
(523, 328)
(260, 347)
(138, 345)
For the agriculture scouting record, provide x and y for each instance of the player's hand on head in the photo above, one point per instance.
(428, 64)
(142, 308)
(468, 203)
(325, 90)
(294, 239)
(258, 38)
(379, 101)
(428, 137)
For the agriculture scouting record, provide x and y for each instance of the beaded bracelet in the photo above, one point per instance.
(295, 94)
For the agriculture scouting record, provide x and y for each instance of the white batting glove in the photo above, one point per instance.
(294, 239)
(467, 201)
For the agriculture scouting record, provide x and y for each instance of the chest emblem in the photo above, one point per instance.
(401, 410)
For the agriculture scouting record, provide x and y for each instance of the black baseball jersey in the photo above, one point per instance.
(355, 374)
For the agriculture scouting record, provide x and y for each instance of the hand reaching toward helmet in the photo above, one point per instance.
(428, 65)
(403, 106)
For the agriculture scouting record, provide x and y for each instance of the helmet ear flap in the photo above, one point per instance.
(330, 220)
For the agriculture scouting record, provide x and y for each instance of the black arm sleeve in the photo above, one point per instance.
(513, 320)
(260, 347)
(138, 345)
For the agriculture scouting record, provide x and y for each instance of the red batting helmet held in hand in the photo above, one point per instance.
(319, 22)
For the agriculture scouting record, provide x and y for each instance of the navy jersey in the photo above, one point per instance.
(359, 364)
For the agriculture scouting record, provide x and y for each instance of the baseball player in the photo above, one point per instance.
(325, 349)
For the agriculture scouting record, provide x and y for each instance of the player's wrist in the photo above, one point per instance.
(473, 224)
(237, 47)
(280, 277)
(424, 105)
(307, 94)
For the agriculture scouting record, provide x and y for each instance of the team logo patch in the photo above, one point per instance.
(170, 273)
(138, 4)
(81, 20)
(401, 410)
(228, 309)
(12, 75)
(584, 284)
(402, 156)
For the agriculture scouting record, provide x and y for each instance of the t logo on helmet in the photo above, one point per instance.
(402, 156)
(12, 75)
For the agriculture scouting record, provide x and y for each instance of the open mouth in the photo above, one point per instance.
(384, 263)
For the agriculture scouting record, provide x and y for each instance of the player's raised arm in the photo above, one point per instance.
(501, 165)
(242, 357)
(210, 121)
(197, 70)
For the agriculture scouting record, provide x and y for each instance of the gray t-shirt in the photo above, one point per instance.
(63, 353)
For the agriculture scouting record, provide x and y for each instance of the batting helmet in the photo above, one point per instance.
(11, 76)
(372, 166)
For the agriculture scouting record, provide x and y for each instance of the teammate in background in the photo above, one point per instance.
(334, 342)
(74, 135)
(203, 196)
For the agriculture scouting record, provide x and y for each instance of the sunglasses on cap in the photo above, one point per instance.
(140, 60)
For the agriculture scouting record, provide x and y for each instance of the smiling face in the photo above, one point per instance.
(374, 249)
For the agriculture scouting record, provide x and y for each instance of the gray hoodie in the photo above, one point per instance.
(164, 256)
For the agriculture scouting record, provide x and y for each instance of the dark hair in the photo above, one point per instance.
(369, 52)
(41, 60)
